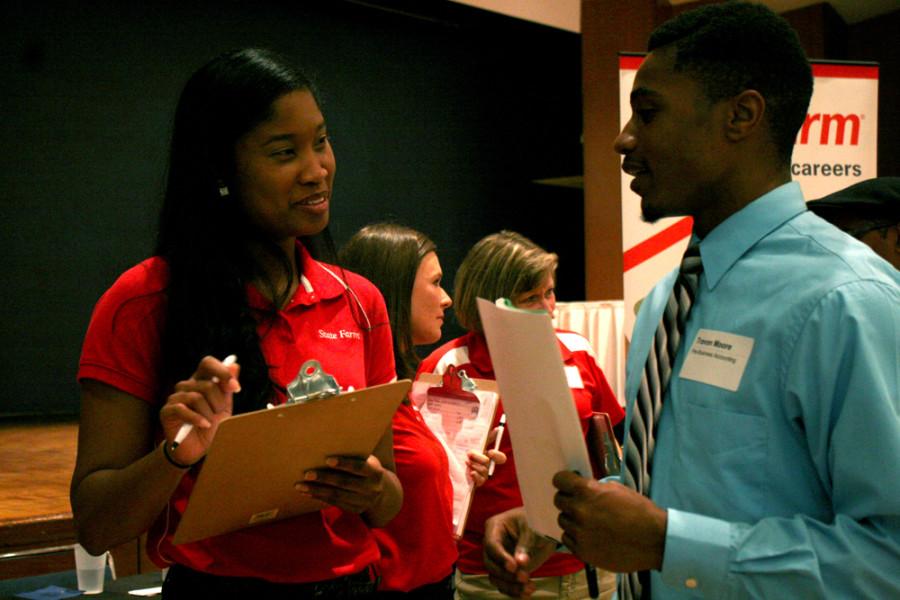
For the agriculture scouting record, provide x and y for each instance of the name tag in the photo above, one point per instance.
(574, 378)
(717, 358)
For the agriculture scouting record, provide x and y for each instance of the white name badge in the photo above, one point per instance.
(574, 378)
(717, 358)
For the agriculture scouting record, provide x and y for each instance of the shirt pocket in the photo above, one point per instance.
(732, 452)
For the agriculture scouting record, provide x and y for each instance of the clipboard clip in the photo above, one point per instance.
(312, 383)
(456, 385)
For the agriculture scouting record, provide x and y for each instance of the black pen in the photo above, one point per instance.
(591, 573)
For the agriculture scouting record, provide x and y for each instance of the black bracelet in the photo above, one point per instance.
(172, 461)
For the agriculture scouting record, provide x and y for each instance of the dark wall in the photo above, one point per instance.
(441, 119)
(876, 39)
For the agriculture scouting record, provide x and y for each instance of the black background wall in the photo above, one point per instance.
(441, 115)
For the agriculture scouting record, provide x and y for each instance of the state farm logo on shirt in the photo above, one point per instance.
(341, 334)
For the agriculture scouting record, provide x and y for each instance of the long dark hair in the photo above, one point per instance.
(203, 234)
(388, 255)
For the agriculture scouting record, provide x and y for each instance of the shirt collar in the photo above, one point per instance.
(325, 281)
(731, 239)
(478, 350)
(317, 281)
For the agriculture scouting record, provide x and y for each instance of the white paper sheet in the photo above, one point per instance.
(459, 429)
(546, 433)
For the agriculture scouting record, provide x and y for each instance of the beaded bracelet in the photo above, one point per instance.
(172, 461)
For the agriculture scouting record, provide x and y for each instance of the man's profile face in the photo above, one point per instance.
(672, 144)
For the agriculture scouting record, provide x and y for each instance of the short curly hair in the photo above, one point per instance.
(736, 46)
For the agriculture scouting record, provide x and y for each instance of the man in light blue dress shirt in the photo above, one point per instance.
(776, 471)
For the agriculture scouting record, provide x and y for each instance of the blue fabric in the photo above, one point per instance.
(49, 593)
(788, 487)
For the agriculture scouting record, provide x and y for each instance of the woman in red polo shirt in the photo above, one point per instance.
(418, 550)
(249, 179)
(509, 265)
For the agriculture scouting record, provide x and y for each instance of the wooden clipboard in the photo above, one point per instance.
(256, 458)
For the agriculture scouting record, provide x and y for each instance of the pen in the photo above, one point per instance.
(591, 573)
(187, 427)
(501, 428)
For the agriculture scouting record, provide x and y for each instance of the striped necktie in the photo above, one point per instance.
(648, 404)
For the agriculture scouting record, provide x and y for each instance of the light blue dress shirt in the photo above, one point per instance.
(788, 487)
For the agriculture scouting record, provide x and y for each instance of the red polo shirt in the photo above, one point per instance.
(121, 349)
(417, 546)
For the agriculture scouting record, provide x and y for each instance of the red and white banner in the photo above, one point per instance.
(836, 147)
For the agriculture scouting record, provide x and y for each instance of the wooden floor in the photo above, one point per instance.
(36, 527)
(36, 463)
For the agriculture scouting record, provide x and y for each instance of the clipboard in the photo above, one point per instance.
(256, 458)
(460, 422)
(544, 425)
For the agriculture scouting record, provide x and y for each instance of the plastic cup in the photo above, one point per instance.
(90, 569)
